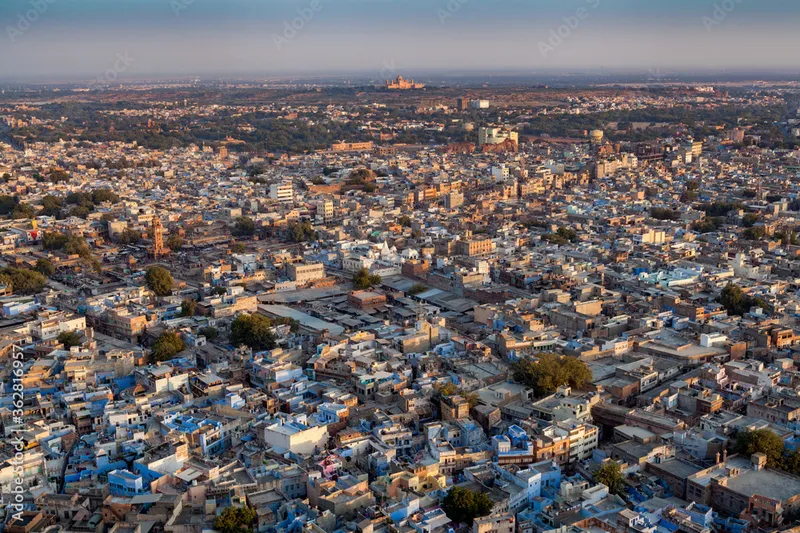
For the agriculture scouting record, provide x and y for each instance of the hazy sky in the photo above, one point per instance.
(381, 38)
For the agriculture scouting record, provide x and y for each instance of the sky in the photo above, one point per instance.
(108, 40)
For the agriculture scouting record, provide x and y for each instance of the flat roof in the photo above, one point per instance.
(304, 319)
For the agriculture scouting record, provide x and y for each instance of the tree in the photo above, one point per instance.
(463, 505)
(7, 204)
(104, 195)
(447, 389)
(688, 196)
(80, 211)
(236, 520)
(753, 234)
(610, 475)
(69, 339)
(404, 221)
(237, 248)
(549, 371)
(168, 345)
(45, 267)
(302, 232)
(51, 205)
(708, 224)
(129, 236)
(254, 331)
(22, 280)
(209, 332)
(58, 176)
(761, 441)
(721, 209)
(188, 307)
(22, 210)
(749, 220)
(159, 280)
(568, 234)
(663, 213)
(174, 242)
(736, 302)
(77, 246)
(364, 280)
(417, 288)
(244, 227)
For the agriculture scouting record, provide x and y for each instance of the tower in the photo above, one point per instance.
(158, 238)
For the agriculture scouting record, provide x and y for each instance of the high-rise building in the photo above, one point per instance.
(282, 192)
(454, 199)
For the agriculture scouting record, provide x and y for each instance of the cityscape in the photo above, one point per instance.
(483, 297)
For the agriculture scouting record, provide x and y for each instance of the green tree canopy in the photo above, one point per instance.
(209, 332)
(159, 280)
(7, 204)
(254, 331)
(129, 236)
(244, 227)
(736, 302)
(168, 345)
(104, 195)
(22, 280)
(749, 220)
(417, 288)
(68, 244)
(51, 205)
(364, 280)
(188, 307)
(174, 242)
(610, 475)
(663, 213)
(22, 211)
(463, 505)
(549, 371)
(302, 232)
(236, 520)
(69, 339)
(45, 267)
(761, 441)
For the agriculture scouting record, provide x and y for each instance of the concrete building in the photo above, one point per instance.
(496, 135)
(288, 434)
(303, 273)
(282, 192)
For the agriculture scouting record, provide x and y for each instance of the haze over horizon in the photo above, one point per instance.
(383, 38)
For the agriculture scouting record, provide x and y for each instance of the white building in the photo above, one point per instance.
(496, 136)
(293, 435)
(282, 192)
